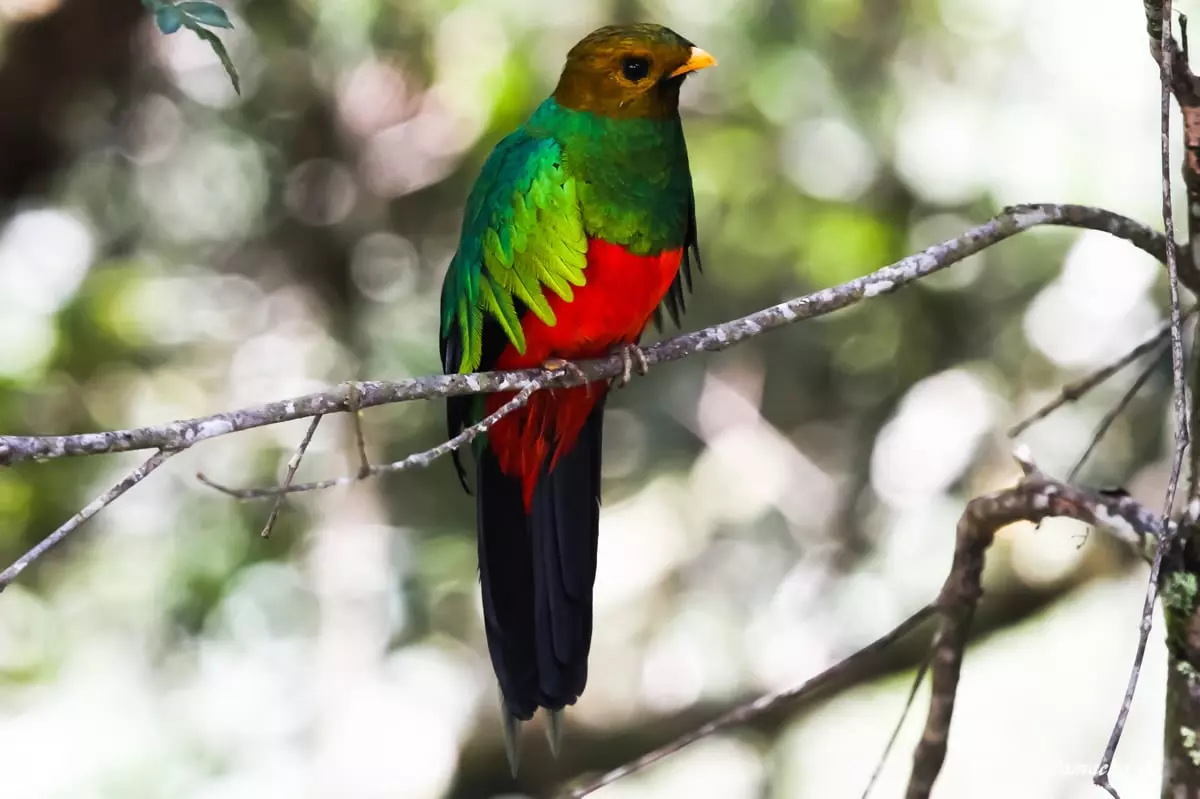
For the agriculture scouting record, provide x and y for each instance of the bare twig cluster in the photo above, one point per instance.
(352, 397)
(373, 393)
(1037, 497)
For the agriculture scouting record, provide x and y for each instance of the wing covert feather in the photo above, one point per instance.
(523, 234)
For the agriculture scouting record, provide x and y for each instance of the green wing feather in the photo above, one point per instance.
(522, 233)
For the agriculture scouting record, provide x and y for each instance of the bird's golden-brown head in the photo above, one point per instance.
(629, 71)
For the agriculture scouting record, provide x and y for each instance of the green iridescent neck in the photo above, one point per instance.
(631, 174)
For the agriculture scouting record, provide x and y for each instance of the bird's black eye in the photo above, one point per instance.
(635, 67)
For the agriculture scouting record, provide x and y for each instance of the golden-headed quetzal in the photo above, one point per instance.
(580, 226)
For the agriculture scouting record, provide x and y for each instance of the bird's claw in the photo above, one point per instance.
(630, 354)
(561, 365)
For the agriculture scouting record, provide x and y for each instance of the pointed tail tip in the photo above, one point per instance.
(554, 730)
(511, 727)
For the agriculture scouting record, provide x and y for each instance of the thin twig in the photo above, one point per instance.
(1101, 776)
(419, 460)
(293, 465)
(1158, 15)
(91, 509)
(908, 703)
(747, 712)
(1187, 94)
(1178, 378)
(1194, 411)
(1183, 38)
(360, 441)
(1158, 25)
(186, 432)
(1111, 415)
(1074, 391)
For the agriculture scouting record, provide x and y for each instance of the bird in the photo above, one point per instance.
(579, 230)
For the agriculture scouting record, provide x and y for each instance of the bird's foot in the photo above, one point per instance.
(554, 731)
(567, 367)
(630, 354)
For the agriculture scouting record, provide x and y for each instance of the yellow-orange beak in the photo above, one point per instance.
(698, 60)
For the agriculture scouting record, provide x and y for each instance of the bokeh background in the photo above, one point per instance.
(169, 248)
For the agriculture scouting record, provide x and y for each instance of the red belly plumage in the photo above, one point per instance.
(611, 309)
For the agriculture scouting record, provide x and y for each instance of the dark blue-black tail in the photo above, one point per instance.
(537, 571)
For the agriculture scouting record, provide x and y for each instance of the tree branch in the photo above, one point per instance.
(368, 394)
(1037, 497)
(75, 522)
(1158, 21)
(919, 678)
(1073, 392)
(292, 467)
(418, 460)
(1111, 415)
(764, 704)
